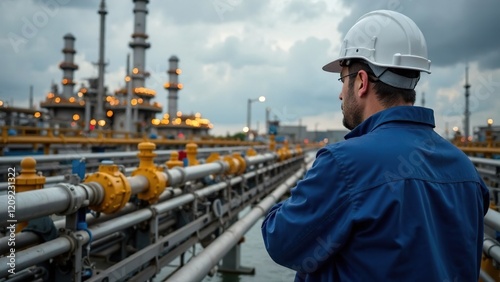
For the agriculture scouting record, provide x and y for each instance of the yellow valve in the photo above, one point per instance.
(272, 143)
(242, 164)
(156, 179)
(27, 180)
(174, 160)
(298, 149)
(191, 151)
(281, 154)
(251, 152)
(233, 165)
(213, 158)
(116, 188)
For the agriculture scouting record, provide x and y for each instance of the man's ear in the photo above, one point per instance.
(361, 84)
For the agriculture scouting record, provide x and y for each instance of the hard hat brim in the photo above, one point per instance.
(333, 66)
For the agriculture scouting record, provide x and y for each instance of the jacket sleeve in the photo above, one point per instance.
(305, 230)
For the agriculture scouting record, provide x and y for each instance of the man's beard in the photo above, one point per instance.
(353, 114)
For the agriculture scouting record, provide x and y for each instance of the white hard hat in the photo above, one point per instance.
(385, 39)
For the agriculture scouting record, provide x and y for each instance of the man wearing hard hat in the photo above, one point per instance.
(394, 201)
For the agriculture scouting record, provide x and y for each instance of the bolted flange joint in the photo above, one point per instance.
(115, 185)
(233, 164)
(156, 179)
(157, 183)
(77, 198)
(242, 164)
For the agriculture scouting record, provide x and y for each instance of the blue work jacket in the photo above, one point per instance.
(393, 202)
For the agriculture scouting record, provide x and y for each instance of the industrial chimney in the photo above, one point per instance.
(173, 86)
(68, 66)
(139, 44)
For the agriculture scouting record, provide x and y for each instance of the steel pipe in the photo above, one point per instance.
(187, 198)
(24, 239)
(485, 277)
(62, 198)
(138, 184)
(63, 244)
(492, 219)
(261, 158)
(485, 161)
(41, 253)
(179, 175)
(89, 156)
(491, 248)
(105, 228)
(197, 268)
(34, 204)
(199, 171)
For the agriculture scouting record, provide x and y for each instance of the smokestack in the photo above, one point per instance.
(173, 86)
(139, 44)
(31, 96)
(68, 66)
(100, 79)
(128, 107)
(467, 112)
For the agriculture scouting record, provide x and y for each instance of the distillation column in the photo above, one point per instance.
(100, 80)
(173, 86)
(139, 44)
(68, 66)
(467, 112)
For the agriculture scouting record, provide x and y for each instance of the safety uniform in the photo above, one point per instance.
(394, 202)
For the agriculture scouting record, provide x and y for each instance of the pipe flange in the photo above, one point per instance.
(242, 163)
(213, 157)
(115, 186)
(95, 194)
(157, 184)
(233, 165)
(75, 201)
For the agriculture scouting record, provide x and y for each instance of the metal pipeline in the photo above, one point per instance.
(491, 248)
(492, 219)
(89, 156)
(138, 184)
(197, 268)
(42, 252)
(64, 198)
(34, 204)
(24, 239)
(485, 277)
(179, 175)
(261, 158)
(170, 193)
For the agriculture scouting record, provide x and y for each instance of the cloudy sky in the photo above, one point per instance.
(233, 50)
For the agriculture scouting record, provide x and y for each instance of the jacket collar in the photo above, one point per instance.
(394, 114)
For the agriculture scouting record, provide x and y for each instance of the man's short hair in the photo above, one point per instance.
(387, 95)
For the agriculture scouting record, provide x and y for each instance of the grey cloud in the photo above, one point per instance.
(301, 10)
(209, 11)
(238, 53)
(456, 32)
(305, 88)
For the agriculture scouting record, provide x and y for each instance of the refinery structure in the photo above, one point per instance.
(130, 109)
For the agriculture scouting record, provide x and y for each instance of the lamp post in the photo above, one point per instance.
(249, 113)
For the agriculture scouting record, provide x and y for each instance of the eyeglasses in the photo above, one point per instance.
(341, 79)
